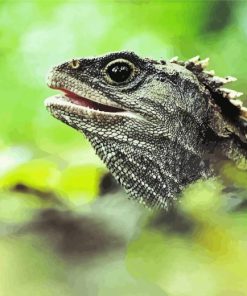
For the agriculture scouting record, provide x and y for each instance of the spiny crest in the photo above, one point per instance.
(213, 82)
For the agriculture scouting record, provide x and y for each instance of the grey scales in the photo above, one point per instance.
(158, 125)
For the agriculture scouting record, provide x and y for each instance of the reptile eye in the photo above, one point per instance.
(74, 64)
(119, 71)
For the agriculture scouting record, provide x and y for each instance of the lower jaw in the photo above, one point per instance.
(62, 102)
(65, 103)
(80, 101)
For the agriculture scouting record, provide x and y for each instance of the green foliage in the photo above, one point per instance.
(45, 164)
(210, 261)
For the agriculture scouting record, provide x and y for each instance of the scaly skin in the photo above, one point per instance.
(165, 126)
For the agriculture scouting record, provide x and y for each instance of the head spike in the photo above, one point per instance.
(220, 80)
(204, 63)
(229, 93)
(243, 112)
(230, 79)
(174, 59)
(236, 103)
(195, 59)
(214, 83)
(210, 72)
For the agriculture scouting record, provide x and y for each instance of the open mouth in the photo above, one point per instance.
(87, 103)
(81, 101)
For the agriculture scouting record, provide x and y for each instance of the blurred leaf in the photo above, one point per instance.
(202, 199)
(39, 174)
(80, 179)
(235, 175)
(210, 258)
(27, 269)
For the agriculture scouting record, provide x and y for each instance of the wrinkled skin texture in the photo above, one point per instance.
(169, 137)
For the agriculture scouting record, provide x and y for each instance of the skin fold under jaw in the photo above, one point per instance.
(157, 125)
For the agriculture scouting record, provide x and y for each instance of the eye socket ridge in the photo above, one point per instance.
(119, 71)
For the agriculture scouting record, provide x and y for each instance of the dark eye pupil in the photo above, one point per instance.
(119, 72)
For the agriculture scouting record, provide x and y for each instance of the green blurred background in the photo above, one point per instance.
(57, 236)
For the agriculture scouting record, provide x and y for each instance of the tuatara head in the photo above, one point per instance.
(148, 120)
